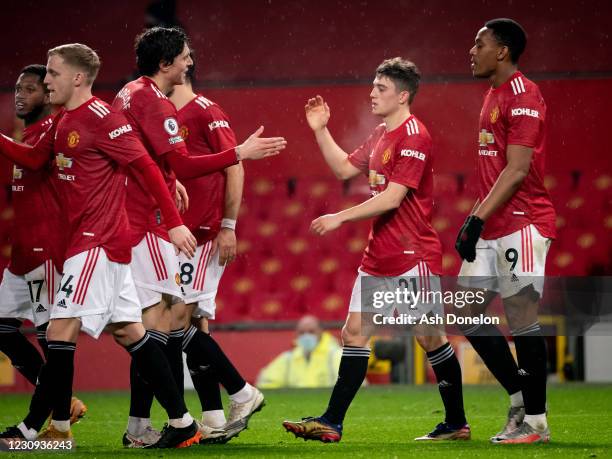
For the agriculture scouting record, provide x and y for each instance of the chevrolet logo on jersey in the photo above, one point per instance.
(17, 173)
(376, 179)
(485, 137)
(63, 162)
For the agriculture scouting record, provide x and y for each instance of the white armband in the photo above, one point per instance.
(228, 223)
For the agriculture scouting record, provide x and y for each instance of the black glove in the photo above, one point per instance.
(468, 237)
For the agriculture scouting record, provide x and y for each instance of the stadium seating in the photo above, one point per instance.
(293, 272)
(284, 271)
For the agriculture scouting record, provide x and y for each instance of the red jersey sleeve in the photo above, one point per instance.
(525, 115)
(411, 157)
(217, 129)
(360, 157)
(158, 125)
(117, 139)
(31, 157)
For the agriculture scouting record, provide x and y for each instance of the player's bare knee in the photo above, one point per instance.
(522, 309)
(431, 342)
(179, 316)
(64, 330)
(126, 333)
(474, 307)
(351, 335)
(151, 316)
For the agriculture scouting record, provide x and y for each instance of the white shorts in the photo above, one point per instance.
(155, 268)
(30, 296)
(97, 291)
(200, 278)
(416, 279)
(508, 264)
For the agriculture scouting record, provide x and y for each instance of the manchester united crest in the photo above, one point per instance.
(495, 114)
(73, 139)
(184, 132)
(386, 156)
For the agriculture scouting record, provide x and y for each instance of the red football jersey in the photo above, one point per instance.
(514, 114)
(34, 236)
(92, 145)
(400, 238)
(154, 120)
(206, 130)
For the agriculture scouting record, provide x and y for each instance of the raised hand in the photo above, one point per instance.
(317, 113)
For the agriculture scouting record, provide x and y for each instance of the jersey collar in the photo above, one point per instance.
(506, 84)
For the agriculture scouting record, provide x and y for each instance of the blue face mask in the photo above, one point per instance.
(307, 341)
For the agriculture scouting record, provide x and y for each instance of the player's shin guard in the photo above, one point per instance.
(174, 353)
(61, 359)
(54, 387)
(531, 355)
(448, 374)
(41, 337)
(206, 384)
(492, 347)
(204, 349)
(352, 372)
(152, 365)
(141, 393)
(23, 354)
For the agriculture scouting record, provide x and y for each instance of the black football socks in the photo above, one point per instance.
(448, 374)
(531, 355)
(352, 372)
(492, 347)
(23, 354)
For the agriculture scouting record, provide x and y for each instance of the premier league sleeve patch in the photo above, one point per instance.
(171, 126)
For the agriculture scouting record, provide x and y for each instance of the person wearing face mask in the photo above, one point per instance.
(313, 361)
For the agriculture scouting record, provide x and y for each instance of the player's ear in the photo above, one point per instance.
(404, 96)
(79, 79)
(163, 66)
(502, 52)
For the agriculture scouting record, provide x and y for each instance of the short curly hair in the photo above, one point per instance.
(158, 45)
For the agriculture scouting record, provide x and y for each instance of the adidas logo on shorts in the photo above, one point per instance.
(61, 304)
(41, 308)
(514, 278)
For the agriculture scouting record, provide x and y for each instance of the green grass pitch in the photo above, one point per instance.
(381, 423)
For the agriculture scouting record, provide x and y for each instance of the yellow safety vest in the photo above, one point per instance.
(291, 369)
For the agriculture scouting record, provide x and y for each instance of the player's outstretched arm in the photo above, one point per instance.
(255, 147)
(25, 155)
(317, 116)
(178, 233)
(389, 199)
